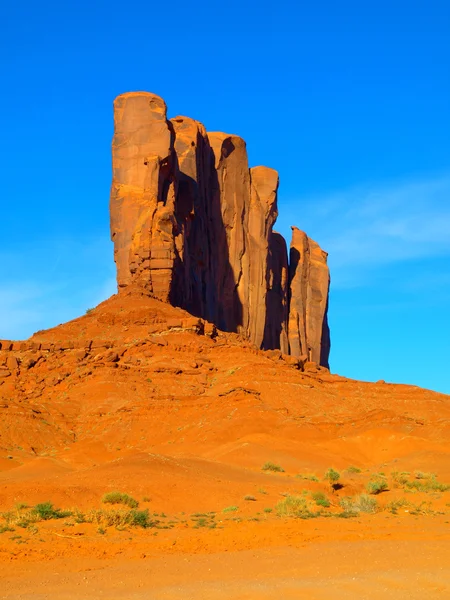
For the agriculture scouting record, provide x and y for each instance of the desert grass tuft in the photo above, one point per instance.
(270, 466)
(120, 498)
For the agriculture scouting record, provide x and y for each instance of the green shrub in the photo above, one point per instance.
(250, 498)
(294, 506)
(320, 499)
(427, 485)
(141, 518)
(46, 511)
(377, 485)
(332, 476)
(270, 466)
(120, 498)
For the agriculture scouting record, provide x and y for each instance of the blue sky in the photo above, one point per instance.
(348, 100)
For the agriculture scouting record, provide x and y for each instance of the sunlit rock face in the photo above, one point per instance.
(192, 225)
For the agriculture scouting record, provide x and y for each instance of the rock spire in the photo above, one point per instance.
(192, 225)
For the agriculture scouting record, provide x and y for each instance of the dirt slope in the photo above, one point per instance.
(138, 396)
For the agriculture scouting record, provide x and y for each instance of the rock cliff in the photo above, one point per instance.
(192, 225)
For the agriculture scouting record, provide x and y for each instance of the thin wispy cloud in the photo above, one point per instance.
(376, 226)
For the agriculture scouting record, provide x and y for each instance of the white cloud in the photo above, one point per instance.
(374, 226)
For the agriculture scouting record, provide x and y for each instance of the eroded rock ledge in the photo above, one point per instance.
(192, 225)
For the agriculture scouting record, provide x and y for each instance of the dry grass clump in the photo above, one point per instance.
(308, 476)
(120, 518)
(358, 504)
(120, 498)
(377, 485)
(426, 482)
(352, 469)
(270, 466)
(294, 506)
(22, 516)
(230, 509)
(422, 482)
(28, 517)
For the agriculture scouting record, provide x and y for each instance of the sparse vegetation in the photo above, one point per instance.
(320, 499)
(400, 478)
(250, 498)
(120, 518)
(268, 510)
(46, 511)
(396, 504)
(270, 466)
(431, 485)
(89, 311)
(377, 485)
(120, 498)
(294, 506)
(230, 509)
(308, 476)
(333, 476)
(353, 469)
(362, 503)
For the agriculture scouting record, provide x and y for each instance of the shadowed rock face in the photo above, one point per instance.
(192, 225)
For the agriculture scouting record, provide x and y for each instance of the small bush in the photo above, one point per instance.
(89, 311)
(140, 518)
(120, 518)
(427, 485)
(294, 506)
(320, 499)
(268, 510)
(396, 504)
(353, 469)
(250, 498)
(362, 503)
(270, 466)
(376, 486)
(230, 509)
(46, 511)
(332, 476)
(120, 498)
(422, 475)
(367, 504)
(400, 478)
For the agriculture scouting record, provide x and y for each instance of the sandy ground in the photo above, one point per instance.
(183, 423)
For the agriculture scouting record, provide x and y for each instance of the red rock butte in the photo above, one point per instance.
(192, 225)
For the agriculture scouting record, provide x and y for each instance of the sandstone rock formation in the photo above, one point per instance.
(192, 225)
(309, 281)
